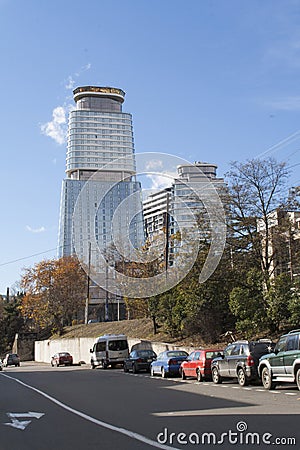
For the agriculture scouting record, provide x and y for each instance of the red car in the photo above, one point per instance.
(198, 363)
(61, 358)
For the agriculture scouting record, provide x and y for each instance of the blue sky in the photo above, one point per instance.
(214, 81)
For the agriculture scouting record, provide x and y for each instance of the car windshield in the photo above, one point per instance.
(145, 353)
(211, 355)
(117, 345)
(176, 353)
(261, 348)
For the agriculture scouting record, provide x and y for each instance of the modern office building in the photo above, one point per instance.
(182, 199)
(100, 175)
(175, 209)
(195, 183)
(155, 209)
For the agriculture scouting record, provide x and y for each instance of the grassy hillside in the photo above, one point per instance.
(137, 328)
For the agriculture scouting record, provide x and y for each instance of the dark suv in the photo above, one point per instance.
(240, 360)
(283, 365)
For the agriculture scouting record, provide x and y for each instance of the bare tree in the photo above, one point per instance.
(255, 191)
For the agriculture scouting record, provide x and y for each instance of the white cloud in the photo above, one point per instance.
(35, 230)
(159, 181)
(154, 164)
(87, 67)
(56, 128)
(70, 83)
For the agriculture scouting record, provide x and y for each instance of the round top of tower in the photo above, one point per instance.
(99, 91)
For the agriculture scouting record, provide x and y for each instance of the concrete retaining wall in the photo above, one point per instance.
(80, 348)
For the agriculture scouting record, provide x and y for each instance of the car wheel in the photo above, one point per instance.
(134, 368)
(183, 376)
(241, 376)
(57, 364)
(199, 376)
(104, 364)
(298, 378)
(266, 378)
(216, 376)
(125, 368)
(163, 373)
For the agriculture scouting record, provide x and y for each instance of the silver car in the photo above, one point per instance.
(11, 359)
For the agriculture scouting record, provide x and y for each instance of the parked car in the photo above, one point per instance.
(283, 365)
(11, 359)
(139, 360)
(198, 364)
(240, 360)
(61, 358)
(168, 363)
(109, 350)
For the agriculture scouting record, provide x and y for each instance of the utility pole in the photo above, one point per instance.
(86, 311)
(106, 291)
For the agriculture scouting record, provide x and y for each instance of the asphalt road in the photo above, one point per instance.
(43, 408)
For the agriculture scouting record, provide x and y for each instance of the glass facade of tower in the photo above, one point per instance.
(100, 149)
(97, 138)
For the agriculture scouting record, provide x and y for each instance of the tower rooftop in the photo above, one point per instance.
(99, 91)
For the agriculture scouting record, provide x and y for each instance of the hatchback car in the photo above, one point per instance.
(198, 364)
(61, 358)
(283, 365)
(240, 360)
(168, 363)
(139, 360)
(11, 359)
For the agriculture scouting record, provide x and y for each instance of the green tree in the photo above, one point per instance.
(248, 304)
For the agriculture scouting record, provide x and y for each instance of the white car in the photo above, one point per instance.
(1, 364)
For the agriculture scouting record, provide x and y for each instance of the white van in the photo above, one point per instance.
(109, 350)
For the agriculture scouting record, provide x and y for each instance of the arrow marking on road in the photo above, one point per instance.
(124, 431)
(22, 424)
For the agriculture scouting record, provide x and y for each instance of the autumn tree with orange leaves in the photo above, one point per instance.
(55, 292)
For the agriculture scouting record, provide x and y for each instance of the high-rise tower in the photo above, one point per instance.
(100, 158)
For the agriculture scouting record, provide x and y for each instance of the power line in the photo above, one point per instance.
(27, 257)
(286, 141)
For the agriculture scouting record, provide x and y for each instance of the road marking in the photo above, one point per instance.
(22, 424)
(213, 412)
(290, 393)
(124, 431)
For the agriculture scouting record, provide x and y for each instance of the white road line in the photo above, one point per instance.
(290, 393)
(127, 433)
